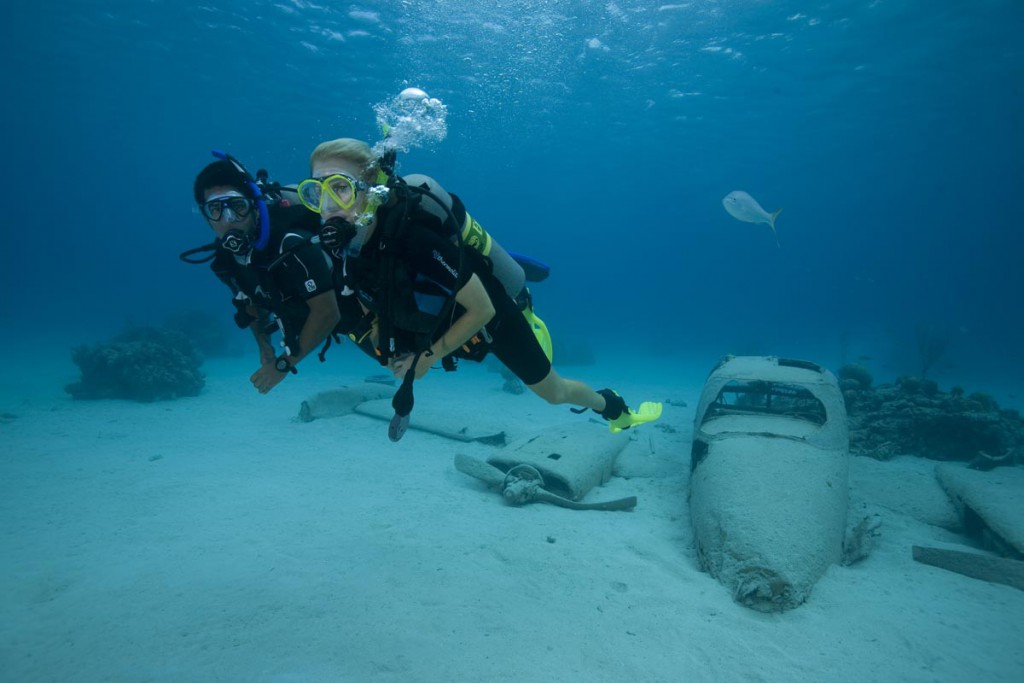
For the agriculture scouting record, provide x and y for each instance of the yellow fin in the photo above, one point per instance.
(649, 411)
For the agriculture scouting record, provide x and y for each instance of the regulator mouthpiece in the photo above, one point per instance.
(336, 233)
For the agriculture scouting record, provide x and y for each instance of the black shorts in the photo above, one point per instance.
(514, 344)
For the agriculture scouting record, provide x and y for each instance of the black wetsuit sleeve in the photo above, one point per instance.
(304, 270)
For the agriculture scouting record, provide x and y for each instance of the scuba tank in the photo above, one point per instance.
(439, 203)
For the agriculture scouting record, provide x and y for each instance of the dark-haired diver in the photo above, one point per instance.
(434, 284)
(264, 252)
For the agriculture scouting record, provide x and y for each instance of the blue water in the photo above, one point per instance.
(597, 136)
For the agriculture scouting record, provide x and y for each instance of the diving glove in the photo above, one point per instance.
(619, 415)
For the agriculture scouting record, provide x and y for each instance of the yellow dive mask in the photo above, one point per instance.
(340, 188)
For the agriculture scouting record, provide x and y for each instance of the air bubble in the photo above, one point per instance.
(410, 119)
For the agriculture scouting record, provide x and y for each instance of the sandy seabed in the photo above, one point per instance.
(218, 538)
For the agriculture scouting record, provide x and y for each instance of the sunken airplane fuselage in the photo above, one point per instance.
(769, 474)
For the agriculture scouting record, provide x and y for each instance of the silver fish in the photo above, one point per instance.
(743, 207)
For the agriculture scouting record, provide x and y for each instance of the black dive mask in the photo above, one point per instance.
(336, 233)
(237, 242)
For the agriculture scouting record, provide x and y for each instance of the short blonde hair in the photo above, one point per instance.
(347, 149)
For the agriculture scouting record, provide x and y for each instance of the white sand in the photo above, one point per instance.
(218, 538)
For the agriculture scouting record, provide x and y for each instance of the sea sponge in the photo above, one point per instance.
(913, 417)
(141, 364)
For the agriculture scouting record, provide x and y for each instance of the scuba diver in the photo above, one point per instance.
(266, 252)
(432, 283)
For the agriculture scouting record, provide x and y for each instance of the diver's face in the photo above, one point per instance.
(226, 218)
(330, 208)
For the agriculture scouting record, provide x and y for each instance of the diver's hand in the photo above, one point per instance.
(267, 377)
(399, 366)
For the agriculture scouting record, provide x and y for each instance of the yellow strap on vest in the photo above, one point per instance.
(473, 235)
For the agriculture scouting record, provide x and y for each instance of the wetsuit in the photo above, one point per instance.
(424, 275)
(281, 278)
